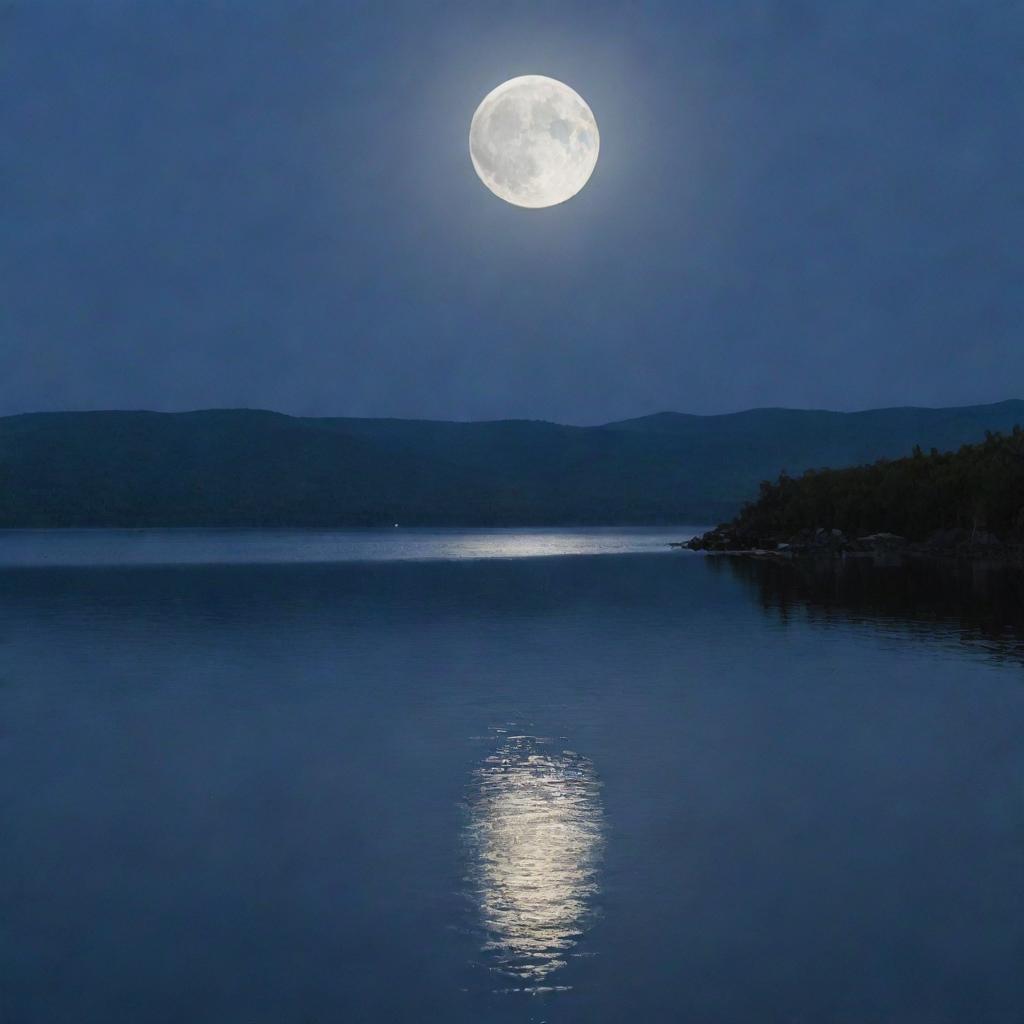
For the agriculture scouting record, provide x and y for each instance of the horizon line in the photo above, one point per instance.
(509, 419)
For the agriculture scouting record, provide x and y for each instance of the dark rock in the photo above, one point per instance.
(947, 540)
(884, 541)
(819, 543)
(983, 539)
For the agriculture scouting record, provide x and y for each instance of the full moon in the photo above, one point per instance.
(534, 141)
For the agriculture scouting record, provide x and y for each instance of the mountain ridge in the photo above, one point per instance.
(258, 467)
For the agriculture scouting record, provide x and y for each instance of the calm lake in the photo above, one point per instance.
(508, 776)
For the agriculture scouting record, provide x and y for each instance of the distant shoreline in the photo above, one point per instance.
(346, 528)
(262, 470)
(882, 549)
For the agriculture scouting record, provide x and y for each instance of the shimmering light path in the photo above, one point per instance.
(535, 834)
(228, 547)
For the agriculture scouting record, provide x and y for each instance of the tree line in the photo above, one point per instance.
(979, 487)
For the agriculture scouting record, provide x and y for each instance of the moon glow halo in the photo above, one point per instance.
(534, 141)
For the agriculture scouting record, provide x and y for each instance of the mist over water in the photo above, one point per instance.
(575, 788)
(284, 546)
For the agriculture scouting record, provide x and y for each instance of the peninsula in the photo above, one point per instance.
(967, 503)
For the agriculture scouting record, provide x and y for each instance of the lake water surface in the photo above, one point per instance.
(471, 776)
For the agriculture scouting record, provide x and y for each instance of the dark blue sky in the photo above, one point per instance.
(271, 204)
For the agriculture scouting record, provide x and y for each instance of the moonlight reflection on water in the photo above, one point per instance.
(535, 835)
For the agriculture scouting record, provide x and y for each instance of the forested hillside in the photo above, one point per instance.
(971, 497)
(255, 468)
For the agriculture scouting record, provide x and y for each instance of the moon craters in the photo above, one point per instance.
(534, 141)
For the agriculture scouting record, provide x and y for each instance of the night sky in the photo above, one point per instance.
(814, 204)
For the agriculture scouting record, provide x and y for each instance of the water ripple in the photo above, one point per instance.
(535, 832)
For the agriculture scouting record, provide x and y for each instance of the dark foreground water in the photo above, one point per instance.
(578, 788)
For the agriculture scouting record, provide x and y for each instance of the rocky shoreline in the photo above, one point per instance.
(954, 543)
